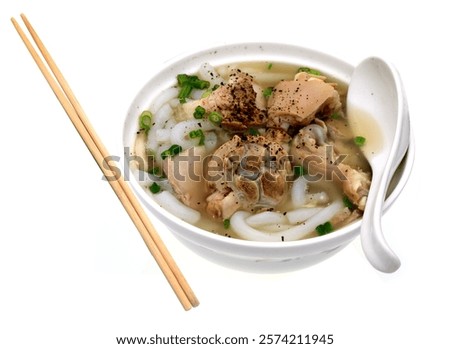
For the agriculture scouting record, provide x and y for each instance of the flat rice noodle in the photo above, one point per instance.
(163, 98)
(162, 116)
(245, 231)
(170, 203)
(298, 192)
(274, 228)
(196, 94)
(210, 141)
(205, 71)
(163, 135)
(159, 121)
(301, 214)
(180, 132)
(264, 218)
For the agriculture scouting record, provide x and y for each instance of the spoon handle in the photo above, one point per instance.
(375, 247)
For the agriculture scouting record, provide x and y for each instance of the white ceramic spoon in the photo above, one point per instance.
(376, 89)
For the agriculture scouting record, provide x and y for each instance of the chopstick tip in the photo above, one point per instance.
(22, 15)
(195, 303)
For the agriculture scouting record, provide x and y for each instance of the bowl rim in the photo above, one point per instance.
(339, 234)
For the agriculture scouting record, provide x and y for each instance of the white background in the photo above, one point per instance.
(74, 272)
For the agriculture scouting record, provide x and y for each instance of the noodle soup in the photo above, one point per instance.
(254, 150)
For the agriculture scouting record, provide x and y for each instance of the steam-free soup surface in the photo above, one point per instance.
(255, 150)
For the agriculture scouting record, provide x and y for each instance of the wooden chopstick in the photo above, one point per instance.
(138, 208)
(79, 119)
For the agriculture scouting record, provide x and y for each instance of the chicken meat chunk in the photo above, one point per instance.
(240, 102)
(249, 174)
(312, 149)
(297, 102)
(185, 173)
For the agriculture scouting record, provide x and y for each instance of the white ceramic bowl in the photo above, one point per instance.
(249, 255)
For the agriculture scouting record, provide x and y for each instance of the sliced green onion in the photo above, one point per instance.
(324, 228)
(187, 83)
(156, 171)
(154, 188)
(299, 171)
(198, 134)
(184, 93)
(192, 80)
(206, 93)
(215, 117)
(165, 154)
(253, 132)
(176, 149)
(348, 203)
(335, 116)
(267, 91)
(209, 91)
(182, 79)
(359, 141)
(173, 150)
(199, 84)
(199, 112)
(269, 66)
(226, 223)
(309, 71)
(145, 121)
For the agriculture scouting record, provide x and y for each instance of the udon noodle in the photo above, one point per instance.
(254, 150)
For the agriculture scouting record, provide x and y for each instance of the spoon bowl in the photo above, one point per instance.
(376, 89)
